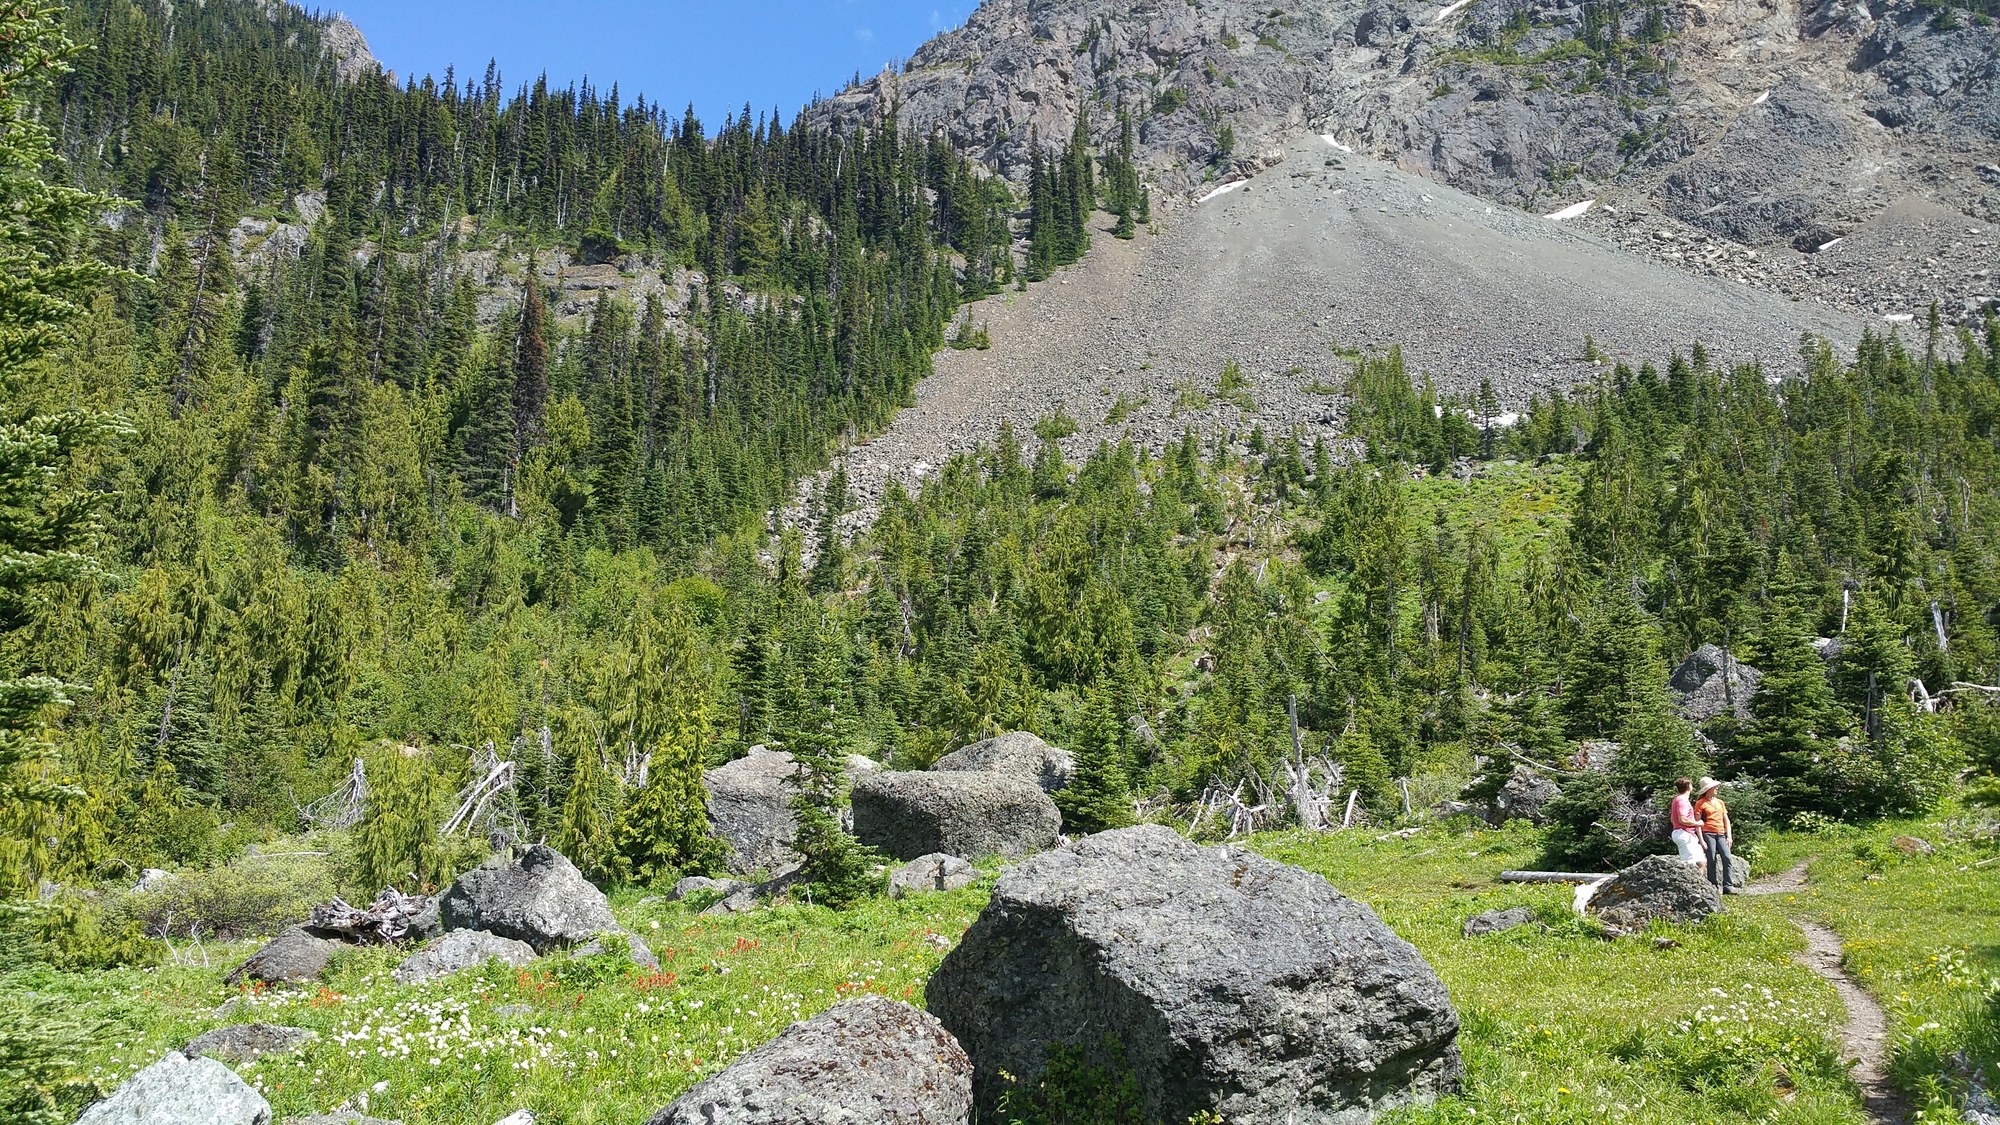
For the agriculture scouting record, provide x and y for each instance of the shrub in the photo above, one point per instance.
(1751, 812)
(247, 899)
(74, 933)
(1577, 835)
(1073, 1091)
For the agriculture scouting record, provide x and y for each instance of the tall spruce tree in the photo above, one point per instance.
(836, 867)
(662, 833)
(46, 522)
(1794, 719)
(397, 843)
(584, 826)
(1098, 797)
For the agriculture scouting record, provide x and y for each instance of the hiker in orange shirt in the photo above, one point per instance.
(1718, 836)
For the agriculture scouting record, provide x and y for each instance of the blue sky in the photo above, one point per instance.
(769, 53)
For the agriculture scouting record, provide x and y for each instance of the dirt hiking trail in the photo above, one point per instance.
(1864, 1037)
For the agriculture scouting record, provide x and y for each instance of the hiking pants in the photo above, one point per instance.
(1716, 846)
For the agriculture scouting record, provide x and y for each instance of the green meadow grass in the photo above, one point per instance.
(1564, 1025)
(1922, 934)
(577, 1040)
(1520, 504)
(1714, 1023)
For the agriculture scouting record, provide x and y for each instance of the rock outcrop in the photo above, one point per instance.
(1770, 177)
(622, 941)
(459, 950)
(1656, 889)
(1710, 683)
(178, 1090)
(348, 48)
(542, 900)
(872, 1061)
(1233, 984)
(1015, 754)
(1526, 795)
(908, 815)
(750, 807)
(245, 1043)
(1754, 137)
(934, 872)
(296, 955)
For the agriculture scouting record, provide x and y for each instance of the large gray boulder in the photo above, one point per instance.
(245, 1043)
(872, 1061)
(179, 1090)
(934, 872)
(542, 900)
(1710, 683)
(702, 884)
(1658, 888)
(909, 815)
(1234, 984)
(1015, 754)
(1526, 795)
(750, 807)
(459, 950)
(294, 956)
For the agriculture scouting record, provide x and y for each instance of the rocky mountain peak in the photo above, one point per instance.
(340, 39)
(1522, 101)
(349, 49)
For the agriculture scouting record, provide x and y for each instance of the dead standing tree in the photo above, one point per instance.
(487, 806)
(341, 808)
(1301, 789)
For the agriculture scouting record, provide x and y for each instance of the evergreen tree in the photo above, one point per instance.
(1363, 767)
(530, 369)
(1655, 745)
(1098, 797)
(584, 830)
(835, 870)
(1793, 718)
(662, 833)
(46, 522)
(1875, 664)
(397, 843)
(1527, 723)
(831, 559)
(1613, 665)
(1123, 183)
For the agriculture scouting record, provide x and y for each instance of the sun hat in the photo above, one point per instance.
(1707, 783)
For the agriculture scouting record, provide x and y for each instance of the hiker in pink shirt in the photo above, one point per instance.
(1687, 826)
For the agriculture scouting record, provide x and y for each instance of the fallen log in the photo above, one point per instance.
(387, 920)
(1553, 876)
